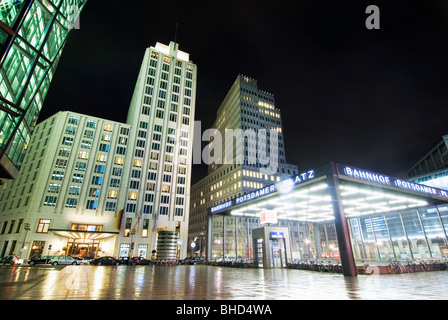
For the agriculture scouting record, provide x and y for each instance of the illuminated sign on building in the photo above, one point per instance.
(386, 180)
(221, 206)
(277, 235)
(298, 179)
(268, 217)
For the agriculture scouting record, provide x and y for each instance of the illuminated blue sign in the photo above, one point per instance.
(386, 180)
(277, 235)
(221, 206)
(285, 184)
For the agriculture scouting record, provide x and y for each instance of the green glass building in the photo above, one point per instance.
(32, 36)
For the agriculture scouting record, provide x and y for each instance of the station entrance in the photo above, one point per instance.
(335, 212)
(273, 249)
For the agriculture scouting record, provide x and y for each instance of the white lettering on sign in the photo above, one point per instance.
(383, 179)
(366, 175)
(221, 206)
(309, 175)
(415, 187)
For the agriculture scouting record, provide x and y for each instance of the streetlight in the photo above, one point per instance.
(132, 242)
(27, 228)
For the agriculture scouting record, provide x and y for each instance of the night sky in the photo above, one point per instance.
(374, 99)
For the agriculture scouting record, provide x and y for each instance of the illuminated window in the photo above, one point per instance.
(138, 163)
(50, 201)
(112, 194)
(165, 188)
(132, 196)
(43, 226)
(108, 127)
(119, 160)
(106, 137)
(101, 158)
(154, 155)
(83, 155)
(145, 228)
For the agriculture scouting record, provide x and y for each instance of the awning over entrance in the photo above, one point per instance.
(85, 235)
(335, 208)
(307, 196)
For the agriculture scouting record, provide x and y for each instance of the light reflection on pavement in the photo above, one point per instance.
(210, 283)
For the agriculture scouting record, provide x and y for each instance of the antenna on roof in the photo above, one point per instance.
(175, 34)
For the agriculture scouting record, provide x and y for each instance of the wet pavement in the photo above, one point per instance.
(200, 282)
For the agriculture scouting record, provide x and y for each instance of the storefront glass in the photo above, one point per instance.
(384, 223)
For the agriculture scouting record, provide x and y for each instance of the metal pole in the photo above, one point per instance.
(424, 232)
(390, 237)
(441, 223)
(406, 234)
(341, 225)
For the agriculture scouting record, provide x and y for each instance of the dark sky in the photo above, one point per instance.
(375, 99)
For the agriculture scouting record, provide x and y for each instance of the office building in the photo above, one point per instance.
(162, 117)
(33, 34)
(432, 169)
(93, 187)
(248, 109)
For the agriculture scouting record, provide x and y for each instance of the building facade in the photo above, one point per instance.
(93, 187)
(162, 117)
(248, 109)
(436, 159)
(32, 37)
(432, 169)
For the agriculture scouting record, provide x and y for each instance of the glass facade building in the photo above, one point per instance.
(337, 212)
(32, 36)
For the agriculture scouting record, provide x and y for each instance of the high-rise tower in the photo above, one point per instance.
(92, 186)
(248, 109)
(162, 117)
(32, 36)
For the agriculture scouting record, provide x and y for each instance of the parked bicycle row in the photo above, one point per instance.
(311, 265)
(417, 266)
(366, 269)
(243, 263)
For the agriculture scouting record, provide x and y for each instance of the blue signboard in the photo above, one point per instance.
(390, 181)
(277, 235)
(298, 179)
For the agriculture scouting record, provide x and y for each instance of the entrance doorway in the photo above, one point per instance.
(273, 247)
(278, 251)
(83, 248)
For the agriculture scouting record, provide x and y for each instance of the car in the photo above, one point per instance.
(40, 260)
(197, 261)
(124, 260)
(109, 261)
(139, 261)
(11, 259)
(80, 260)
(185, 261)
(64, 260)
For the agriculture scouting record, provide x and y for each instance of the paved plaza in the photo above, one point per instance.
(201, 282)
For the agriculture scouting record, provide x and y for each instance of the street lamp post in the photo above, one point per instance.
(132, 243)
(27, 228)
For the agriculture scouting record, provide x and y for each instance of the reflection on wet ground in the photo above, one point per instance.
(212, 283)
